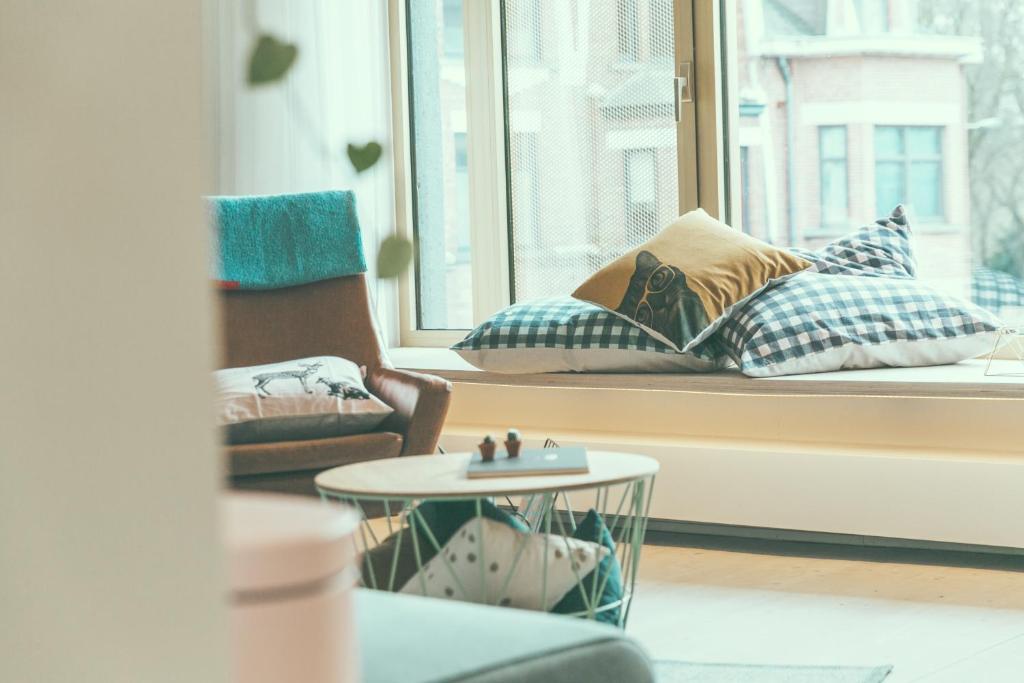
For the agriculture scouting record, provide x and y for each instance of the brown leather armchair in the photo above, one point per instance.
(328, 318)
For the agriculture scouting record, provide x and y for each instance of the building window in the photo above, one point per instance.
(452, 34)
(908, 170)
(526, 191)
(460, 254)
(523, 24)
(628, 24)
(641, 187)
(873, 16)
(835, 201)
(444, 294)
(660, 25)
(745, 207)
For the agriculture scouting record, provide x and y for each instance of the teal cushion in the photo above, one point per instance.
(593, 529)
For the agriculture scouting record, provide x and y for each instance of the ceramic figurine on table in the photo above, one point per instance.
(487, 447)
(513, 443)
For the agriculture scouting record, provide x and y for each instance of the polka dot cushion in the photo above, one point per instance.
(490, 562)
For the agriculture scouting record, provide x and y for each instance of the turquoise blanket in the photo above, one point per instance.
(269, 242)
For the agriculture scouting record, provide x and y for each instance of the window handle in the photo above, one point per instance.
(683, 89)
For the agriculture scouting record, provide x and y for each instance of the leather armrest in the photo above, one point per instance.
(420, 403)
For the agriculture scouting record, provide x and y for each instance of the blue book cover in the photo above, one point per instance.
(531, 462)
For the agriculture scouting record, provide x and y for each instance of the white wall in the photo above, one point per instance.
(110, 565)
(292, 136)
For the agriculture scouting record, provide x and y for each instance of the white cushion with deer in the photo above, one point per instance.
(311, 398)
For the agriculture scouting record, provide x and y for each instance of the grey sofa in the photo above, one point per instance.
(411, 639)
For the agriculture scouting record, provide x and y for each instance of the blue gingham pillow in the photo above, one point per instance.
(816, 322)
(882, 249)
(996, 290)
(567, 335)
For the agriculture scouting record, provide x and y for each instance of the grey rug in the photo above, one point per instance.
(698, 672)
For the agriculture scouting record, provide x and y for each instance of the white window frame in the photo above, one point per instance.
(700, 146)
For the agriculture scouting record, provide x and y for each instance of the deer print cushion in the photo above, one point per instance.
(679, 285)
(312, 398)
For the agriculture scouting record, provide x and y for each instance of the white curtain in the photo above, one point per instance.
(291, 136)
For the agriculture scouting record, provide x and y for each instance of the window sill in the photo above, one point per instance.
(963, 380)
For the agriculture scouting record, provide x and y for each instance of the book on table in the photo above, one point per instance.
(531, 462)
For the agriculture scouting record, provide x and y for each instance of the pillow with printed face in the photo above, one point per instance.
(679, 285)
(491, 563)
(310, 398)
(882, 249)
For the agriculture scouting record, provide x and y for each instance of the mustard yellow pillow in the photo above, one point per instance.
(680, 284)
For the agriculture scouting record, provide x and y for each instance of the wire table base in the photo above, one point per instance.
(623, 505)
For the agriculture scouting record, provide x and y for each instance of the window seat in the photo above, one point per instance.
(962, 380)
(833, 453)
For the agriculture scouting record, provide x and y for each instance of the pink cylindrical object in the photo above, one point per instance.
(291, 568)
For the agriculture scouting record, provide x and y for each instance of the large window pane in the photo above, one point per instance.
(925, 188)
(939, 127)
(889, 186)
(441, 180)
(592, 141)
(834, 181)
(908, 170)
(628, 29)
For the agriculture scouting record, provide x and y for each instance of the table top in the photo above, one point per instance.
(444, 476)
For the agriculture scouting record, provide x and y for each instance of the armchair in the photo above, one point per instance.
(330, 317)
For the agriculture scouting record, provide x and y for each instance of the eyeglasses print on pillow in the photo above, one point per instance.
(657, 282)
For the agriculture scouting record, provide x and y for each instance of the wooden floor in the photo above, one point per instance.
(778, 603)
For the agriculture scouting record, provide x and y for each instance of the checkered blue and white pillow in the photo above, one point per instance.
(996, 290)
(882, 249)
(567, 335)
(816, 322)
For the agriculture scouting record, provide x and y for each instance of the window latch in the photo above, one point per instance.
(683, 89)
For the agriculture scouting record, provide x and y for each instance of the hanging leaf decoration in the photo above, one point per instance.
(271, 60)
(394, 257)
(364, 157)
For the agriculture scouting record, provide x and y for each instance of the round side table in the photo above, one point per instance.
(619, 484)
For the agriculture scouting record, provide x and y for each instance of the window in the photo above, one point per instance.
(815, 89)
(873, 15)
(628, 24)
(452, 34)
(834, 184)
(745, 205)
(523, 42)
(526, 191)
(547, 141)
(641, 188)
(583, 139)
(908, 170)
(659, 22)
(444, 288)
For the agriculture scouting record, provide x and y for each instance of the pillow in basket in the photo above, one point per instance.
(679, 285)
(490, 562)
(310, 398)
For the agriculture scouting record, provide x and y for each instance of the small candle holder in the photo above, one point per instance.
(513, 443)
(487, 447)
